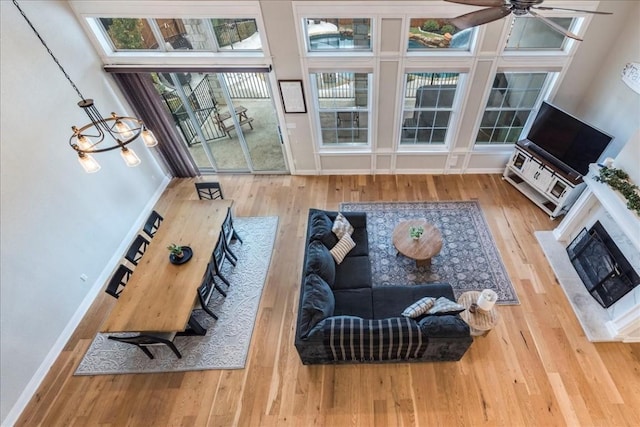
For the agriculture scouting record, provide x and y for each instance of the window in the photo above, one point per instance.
(337, 34)
(511, 100)
(437, 33)
(534, 34)
(342, 100)
(428, 106)
(138, 34)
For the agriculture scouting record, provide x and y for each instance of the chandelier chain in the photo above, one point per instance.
(49, 51)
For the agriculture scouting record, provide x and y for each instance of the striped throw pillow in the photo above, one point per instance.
(341, 226)
(445, 306)
(419, 307)
(342, 248)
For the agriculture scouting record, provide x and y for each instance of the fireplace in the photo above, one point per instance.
(604, 270)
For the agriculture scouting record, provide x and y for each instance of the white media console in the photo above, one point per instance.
(550, 187)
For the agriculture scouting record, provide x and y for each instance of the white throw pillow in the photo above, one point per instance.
(342, 248)
(341, 226)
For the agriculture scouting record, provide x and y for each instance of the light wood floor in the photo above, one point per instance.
(535, 369)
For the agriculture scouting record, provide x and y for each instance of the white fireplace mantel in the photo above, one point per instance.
(621, 321)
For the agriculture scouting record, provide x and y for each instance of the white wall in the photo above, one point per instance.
(609, 103)
(57, 222)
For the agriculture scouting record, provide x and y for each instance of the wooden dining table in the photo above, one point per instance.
(160, 296)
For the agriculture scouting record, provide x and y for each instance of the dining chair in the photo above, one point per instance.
(137, 249)
(229, 233)
(205, 291)
(142, 341)
(118, 281)
(153, 223)
(217, 259)
(209, 190)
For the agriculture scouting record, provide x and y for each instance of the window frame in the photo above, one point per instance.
(317, 125)
(454, 110)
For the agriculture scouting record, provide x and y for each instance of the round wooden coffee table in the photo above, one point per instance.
(421, 249)
(480, 322)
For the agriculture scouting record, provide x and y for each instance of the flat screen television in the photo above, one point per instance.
(560, 137)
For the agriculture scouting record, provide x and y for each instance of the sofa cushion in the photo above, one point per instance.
(390, 301)
(444, 306)
(353, 302)
(320, 262)
(444, 326)
(341, 226)
(353, 272)
(320, 226)
(419, 307)
(342, 248)
(318, 303)
(361, 239)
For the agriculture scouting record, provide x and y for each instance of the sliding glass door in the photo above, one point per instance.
(227, 120)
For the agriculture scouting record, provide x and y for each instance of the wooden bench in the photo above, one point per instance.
(241, 115)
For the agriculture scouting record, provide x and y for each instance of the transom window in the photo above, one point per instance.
(138, 34)
(534, 34)
(337, 34)
(511, 101)
(437, 33)
(342, 100)
(428, 106)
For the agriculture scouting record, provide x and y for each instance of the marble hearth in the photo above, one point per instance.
(621, 321)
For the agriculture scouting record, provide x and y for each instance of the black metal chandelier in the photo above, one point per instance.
(90, 138)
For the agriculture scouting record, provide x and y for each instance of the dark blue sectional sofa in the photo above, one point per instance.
(342, 318)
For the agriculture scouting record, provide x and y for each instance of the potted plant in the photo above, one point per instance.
(175, 253)
(416, 232)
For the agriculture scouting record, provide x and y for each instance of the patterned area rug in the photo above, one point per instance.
(469, 259)
(226, 344)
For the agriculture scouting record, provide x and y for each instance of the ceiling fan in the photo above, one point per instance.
(497, 9)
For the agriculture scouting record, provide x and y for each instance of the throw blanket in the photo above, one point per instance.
(354, 338)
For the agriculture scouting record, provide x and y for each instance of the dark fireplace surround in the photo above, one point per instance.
(604, 270)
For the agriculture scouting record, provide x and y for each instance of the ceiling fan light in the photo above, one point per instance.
(149, 138)
(89, 164)
(130, 158)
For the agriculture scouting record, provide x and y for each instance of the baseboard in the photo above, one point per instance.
(96, 288)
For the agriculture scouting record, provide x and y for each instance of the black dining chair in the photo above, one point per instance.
(229, 233)
(153, 223)
(205, 291)
(142, 341)
(118, 281)
(137, 249)
(218, 257)
(209, 190)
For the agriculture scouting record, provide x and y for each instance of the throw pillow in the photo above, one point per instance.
(320, 262)
(445, 306)
(318, 303)
(320, 226)
(341, 226)
(419, 307)
(342, 248)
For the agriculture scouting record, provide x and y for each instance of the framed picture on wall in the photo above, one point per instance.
(292, 96)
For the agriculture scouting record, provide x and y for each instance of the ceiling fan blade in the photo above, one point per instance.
(485, 3)
(480, 17)
(571, 10)
(555, 26)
